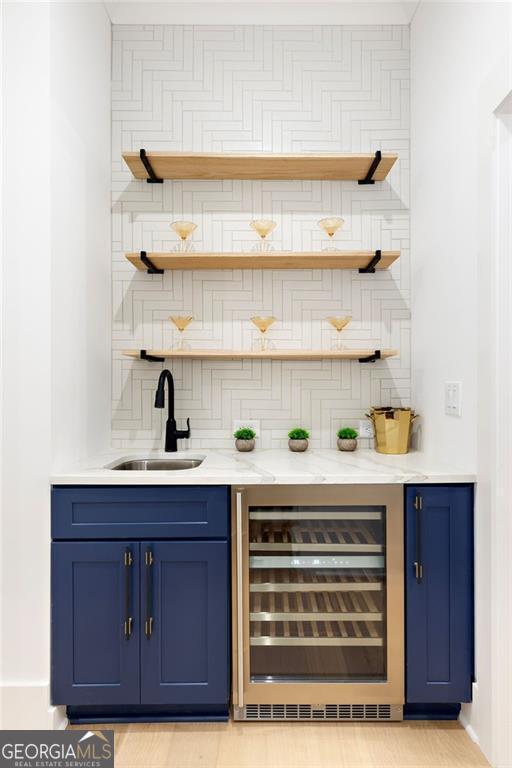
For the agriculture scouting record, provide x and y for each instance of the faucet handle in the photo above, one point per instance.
(183, 433)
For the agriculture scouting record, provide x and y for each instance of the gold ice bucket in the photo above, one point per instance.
(393, 429)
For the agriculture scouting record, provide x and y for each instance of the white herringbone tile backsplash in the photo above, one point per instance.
(216, 88)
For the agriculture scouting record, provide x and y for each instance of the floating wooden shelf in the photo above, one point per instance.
(363, 355)
(155, 166)
(267, 260)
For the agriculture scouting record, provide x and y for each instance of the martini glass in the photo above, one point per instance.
(181, 322)
(338, 323)
(263, 324)
(263, 227)
(330, 226)
(184, 229)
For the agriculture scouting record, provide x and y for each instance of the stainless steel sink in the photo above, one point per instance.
(150, 465)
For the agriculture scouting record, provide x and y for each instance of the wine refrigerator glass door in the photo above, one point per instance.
(319, 595)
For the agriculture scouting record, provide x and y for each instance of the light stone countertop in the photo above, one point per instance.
(267, 467)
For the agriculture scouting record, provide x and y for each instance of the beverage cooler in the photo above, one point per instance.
(318, 603)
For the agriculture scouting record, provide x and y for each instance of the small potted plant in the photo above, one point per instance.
(298, 439)
(244, 439)
(347, 439)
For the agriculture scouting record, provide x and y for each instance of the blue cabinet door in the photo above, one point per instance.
(439, 593)
(95, 623)
(185, 617)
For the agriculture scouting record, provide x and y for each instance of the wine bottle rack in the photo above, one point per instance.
(295, 580)
(314, 536)
(311, 606)
(362, 633)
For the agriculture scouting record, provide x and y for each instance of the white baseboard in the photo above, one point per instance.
(27, 707)
(469, 728)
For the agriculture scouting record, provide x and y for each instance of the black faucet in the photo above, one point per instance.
(172, 435)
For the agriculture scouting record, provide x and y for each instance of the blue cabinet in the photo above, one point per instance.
(140, 627)
(439, 594)
(95, 646)
(184, 658)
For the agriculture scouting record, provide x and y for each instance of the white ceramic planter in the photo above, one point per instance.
(297, 446)
(244, 445)
(347, 444)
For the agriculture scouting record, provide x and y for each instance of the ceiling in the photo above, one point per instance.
(261, 12)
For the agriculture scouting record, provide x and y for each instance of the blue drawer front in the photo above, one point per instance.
(100, 512)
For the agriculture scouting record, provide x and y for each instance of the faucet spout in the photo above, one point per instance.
(165, 376)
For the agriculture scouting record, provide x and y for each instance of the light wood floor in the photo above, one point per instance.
(294, 745)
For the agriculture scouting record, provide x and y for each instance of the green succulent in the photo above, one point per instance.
(347, 433)
(297, 433)
(244, 433)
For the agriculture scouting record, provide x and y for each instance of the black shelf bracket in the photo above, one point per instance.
(150, 358)
(370, 267)
(153, 178)
(371, 358)
(368, 179)
(151, 269)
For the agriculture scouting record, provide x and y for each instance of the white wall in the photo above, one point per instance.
(55, 400)
(275, 89)
(460, 71)
(26, 332)
(445, 63)
(496, 491)
(80, 201)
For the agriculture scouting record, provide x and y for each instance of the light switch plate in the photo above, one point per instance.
(252, 423)
(365, 428)
(452, 398)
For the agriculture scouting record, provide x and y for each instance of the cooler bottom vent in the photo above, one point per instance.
(317, 712)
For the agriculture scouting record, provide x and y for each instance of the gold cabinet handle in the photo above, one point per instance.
(418, 566)
(128, 621)
(148, 624)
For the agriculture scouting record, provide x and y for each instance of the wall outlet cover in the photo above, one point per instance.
(365, 428)
(252, 423)
(452, 398)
